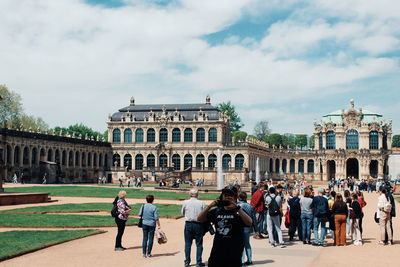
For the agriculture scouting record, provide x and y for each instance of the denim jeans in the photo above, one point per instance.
(247, 247)
(193, 231)
(306, 221)
(273, 222)
(317, 222)
(148, 237)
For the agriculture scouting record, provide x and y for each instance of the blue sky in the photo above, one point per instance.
(286, 61)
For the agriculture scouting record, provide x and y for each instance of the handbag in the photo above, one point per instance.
(287, 218)
(376, 217)
(161, 236)
(140, 223)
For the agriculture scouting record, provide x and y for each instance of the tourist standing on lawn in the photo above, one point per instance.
(340, 212)
(123, 212)
(191, 209)
(247, 229)
(320, 213)
(229, 220)
(150, 217)
(306, 216)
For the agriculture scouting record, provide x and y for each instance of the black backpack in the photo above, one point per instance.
(273, 208)
(114, 211)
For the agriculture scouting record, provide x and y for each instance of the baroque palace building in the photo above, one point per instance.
(183, 140)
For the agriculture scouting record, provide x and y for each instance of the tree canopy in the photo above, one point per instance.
(10, 105)
(396, 140)
(262, 130)
(229, 109)
(239, 135)
(79, 129)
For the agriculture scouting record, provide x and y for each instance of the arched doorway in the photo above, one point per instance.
(373, 168)
(352, 168)
(331, 169)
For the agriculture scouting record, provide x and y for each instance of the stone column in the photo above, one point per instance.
(324, 170)
(206, 135)
(157, 135)
(144, 137)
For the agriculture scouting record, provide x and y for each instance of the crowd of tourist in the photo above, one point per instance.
(312, 216)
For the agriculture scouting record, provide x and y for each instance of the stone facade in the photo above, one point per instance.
(63, 159)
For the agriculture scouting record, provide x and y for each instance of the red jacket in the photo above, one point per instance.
(257, 200)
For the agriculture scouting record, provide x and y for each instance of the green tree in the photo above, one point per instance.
(274, 139)
(239, 135)
(79, 129)
(28, 122)
(229, 109)
(10, 105)
(311, 141)
(301, 140)
(289, 139)
(396, 140)
(262, 130)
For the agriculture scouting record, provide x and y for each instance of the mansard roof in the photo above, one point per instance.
(366, 116)
(187, 111)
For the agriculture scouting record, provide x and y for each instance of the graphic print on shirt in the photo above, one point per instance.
(224, 226)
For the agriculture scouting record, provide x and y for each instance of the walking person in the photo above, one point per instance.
(247, 230)
(306, 216)
(191, 209)
(295, 214)
(340, 212)
(320, 213)
(274, 206)
(123, 212)
(383, 213)
(150, 220)
(15, 179)
(355, 216)
(229, 220)
(121, 182)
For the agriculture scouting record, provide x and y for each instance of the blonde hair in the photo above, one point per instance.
(122, 194)
(194, 192)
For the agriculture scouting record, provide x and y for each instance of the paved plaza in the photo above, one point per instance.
(98, 250)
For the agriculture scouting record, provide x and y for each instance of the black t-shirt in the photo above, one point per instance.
(228, 242)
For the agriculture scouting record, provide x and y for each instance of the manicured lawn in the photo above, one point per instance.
(164, 210)
(54, 220)
(15, 243)
(87, 191)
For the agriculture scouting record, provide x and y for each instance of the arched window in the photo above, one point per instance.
(95, 163)
(71, 159)
(176, 135)
(226, 161)
(100, 160)
(34, 156)
(163, 135)
(116, 136)
(49, 155)
(128, 136)
(271, 165)
(373, 140)
(176, 162)
(310, 166)
(151, 136)
(284, 165)
(212, 159)
(83, 159)
(330, 140)
(239, 161)
(301, 166)
(292, 165)
(139, 135)
(17, 151)
(212, 135)
(128, 162)
(163, 161)
(200, 135)
(139, 162)
(352, 139)
(200, 161)
(151, 161)
(77, 158)
(188, 135)
(25, 157)
(116, 160)
(89, 159)
(321, 146)
(187, 161)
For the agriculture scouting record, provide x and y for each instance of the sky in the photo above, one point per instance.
(285, 61)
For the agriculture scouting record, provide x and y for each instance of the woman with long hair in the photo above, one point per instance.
(306, 216)
(356, 215)
(363, 203)
(340, 212)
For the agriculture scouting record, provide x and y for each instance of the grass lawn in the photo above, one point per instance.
(15, 243)
(86, 191)
(164, 210)
(54, 220)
